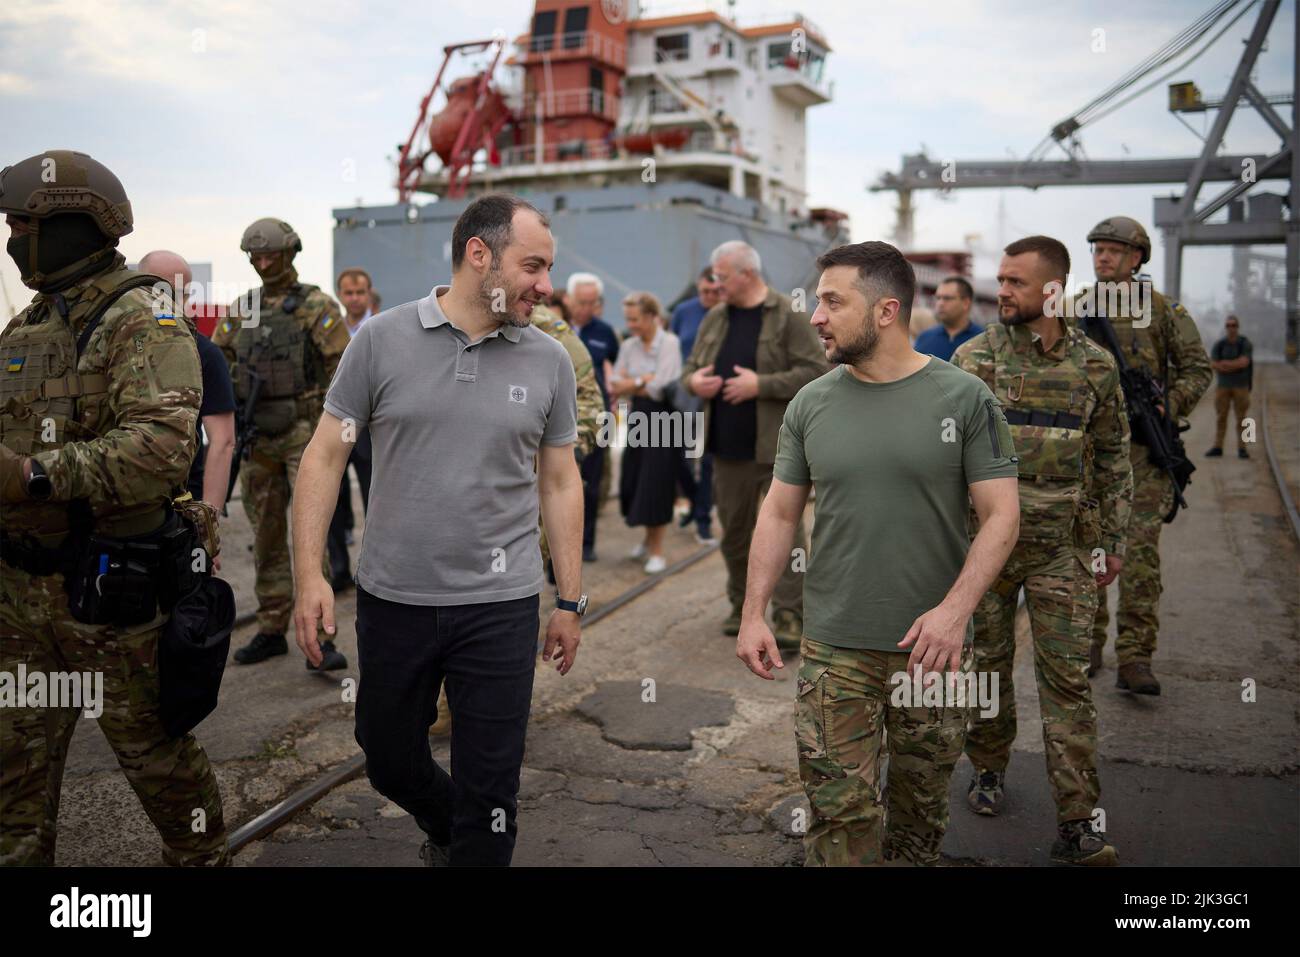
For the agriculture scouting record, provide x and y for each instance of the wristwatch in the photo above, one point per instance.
(579, 607)
(39, 485)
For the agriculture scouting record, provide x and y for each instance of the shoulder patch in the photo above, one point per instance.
(329, 320)
(15, 364)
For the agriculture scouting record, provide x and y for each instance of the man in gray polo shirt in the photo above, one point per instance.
(472, 414)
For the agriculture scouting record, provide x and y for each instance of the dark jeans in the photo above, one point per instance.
(590, 469)
(699, 491)
(336, 541)
(485, 653)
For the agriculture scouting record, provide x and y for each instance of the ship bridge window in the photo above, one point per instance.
(672, 46)
(575, 25)
(778, 54)
(543, 31)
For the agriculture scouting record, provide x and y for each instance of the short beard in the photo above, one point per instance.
(860, 349)
(1020, 318)
(487, 296)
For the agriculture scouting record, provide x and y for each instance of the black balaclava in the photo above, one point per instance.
(69, 247)
(280, 276)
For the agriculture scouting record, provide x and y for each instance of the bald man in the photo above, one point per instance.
(210, 474)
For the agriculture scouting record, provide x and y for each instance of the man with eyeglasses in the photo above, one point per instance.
(952, 305)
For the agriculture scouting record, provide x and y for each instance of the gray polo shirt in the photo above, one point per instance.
(455, 428)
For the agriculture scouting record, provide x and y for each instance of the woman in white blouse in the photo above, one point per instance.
(648, 360)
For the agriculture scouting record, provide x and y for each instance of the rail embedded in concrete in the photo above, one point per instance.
(1279, 477)
(279, 814)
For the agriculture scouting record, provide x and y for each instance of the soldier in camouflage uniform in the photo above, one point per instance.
(1165, 342)
(291, 335)
(589, 402)
(1064, 405)
(105, 425)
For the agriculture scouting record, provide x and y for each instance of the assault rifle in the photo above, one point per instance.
(245, 428)
(1147, 423)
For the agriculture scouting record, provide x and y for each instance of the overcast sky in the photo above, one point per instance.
(216, 112)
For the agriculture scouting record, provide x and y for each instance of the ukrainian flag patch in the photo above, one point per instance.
(225, 326)
(166, 320)
(329, 321)
(15, 365)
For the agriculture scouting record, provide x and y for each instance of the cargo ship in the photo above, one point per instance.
(647, 137)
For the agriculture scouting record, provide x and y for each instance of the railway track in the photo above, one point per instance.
(280, 813)
(1275, 468)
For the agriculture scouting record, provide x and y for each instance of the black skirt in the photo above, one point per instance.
(647, 486)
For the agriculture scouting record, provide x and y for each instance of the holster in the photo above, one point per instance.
(128, 581)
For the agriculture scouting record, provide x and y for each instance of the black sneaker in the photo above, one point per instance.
(1078, 843)
(1214, 453)
(331, 659)
(985, 794)
(1242, 454)
(435, 855)
(685, 520)
(262, 646)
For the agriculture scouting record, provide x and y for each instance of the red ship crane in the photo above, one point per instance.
(474, 114)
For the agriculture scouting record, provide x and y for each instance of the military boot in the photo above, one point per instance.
(1078, 843)
(788, 630)
(1094, 659)
(435, 855)
(984, 795)
(264, 645)
(732, 625)
(331, 659)
(1136, 676)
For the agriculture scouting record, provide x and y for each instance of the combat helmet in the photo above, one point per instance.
(64, 181)
(1122, 229)
(270, 235)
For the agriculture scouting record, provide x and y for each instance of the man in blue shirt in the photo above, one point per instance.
(952, 304)
(585, 296)
(690, 313)
(685, 324)
(355, 294)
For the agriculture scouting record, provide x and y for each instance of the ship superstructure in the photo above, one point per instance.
(647, 137)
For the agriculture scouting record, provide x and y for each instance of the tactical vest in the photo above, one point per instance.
(1142, 341)
(45, 402)
(280, 350)
(1046, 407)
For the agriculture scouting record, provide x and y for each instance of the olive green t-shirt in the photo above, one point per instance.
(891, 463)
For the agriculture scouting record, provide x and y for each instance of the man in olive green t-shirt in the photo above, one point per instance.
(899, 445)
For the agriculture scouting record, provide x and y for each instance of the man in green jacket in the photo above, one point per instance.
(753, 352)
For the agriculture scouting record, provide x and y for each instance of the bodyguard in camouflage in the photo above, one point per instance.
(99, 394)
(286, 338)
(1155, 334)
(590, 404)
(1063, 402)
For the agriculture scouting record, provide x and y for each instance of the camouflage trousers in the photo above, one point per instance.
(1137, 622)
(1061, 595)
(845, 726)
(266, 482)
(171, 776)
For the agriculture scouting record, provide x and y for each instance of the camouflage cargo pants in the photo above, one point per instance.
(1061, 595)
(845, 725)
(171, 776)
(266, 483)
(1137, 622)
